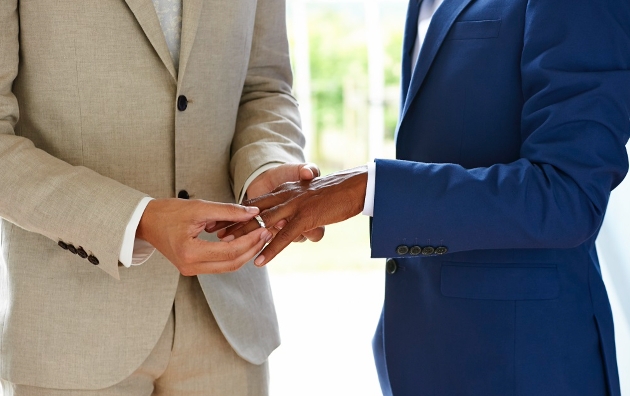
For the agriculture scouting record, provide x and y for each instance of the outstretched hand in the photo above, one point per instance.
(269, 181)
(306, 205)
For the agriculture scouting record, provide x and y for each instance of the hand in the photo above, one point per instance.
(306, 205)
(271, 179)
(172, 226)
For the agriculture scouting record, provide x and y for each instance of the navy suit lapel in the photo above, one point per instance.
(440, 25)
(409, 40)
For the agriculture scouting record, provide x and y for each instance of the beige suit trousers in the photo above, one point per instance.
(192, 357)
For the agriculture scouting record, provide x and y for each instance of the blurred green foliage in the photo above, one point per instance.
(339, 67)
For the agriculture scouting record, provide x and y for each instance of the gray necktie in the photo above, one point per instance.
(169, 13)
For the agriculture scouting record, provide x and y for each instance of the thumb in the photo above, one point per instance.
(308, 171)
(215, 211)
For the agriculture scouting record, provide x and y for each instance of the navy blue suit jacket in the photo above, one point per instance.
(511, 137)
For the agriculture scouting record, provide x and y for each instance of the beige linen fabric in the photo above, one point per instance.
(94, 88)
(191, 358)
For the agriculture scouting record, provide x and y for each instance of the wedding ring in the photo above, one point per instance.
(260, 221)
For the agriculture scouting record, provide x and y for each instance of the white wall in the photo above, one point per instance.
(614, 251)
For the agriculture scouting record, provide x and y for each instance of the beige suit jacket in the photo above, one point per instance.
(88, 127)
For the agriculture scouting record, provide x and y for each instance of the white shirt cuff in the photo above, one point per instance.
(254, 175)
(135, 251)
(368, 205)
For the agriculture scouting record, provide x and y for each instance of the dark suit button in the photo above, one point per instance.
(402, 250)
(441, 250)
(183, 194)
(93, 260)
(415, 250)
(82, 253)
(63, 245)
(427, 251)
(72, 249)
(391, 266)
(182, 103)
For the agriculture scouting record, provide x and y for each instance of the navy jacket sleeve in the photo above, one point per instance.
(575, 122)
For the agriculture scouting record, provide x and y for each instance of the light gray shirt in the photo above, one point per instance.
(169, 13)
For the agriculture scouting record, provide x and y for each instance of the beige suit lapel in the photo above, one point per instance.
(191, 13)
(144, 11)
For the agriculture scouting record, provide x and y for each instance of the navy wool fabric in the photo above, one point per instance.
(512, 135)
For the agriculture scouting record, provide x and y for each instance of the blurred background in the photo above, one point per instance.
(346, 58)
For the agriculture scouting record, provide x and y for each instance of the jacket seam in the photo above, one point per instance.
(76, 65)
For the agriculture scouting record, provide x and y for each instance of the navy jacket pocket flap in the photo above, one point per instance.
(506, 282)
(475, 29)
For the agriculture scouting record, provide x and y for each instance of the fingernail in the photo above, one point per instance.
(252, 210)
(266, 235)
(312, 174)
(228, 238)
(259, 260)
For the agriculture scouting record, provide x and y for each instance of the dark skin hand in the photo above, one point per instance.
(296, 208)
(266, 183)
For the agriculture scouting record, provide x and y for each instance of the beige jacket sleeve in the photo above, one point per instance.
(268, 124)
(45, 195)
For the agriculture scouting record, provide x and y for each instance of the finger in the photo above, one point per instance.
(267, 201)
(274, 231)
(241, 229)
(308, 172)
(300, 239)
(238, 230)
(225, 251)
(279, 243)
(221, 232)
(280, 225)
(315, 235)
(218, 225)
(231, 265)
(215, 211)
(269, 216)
